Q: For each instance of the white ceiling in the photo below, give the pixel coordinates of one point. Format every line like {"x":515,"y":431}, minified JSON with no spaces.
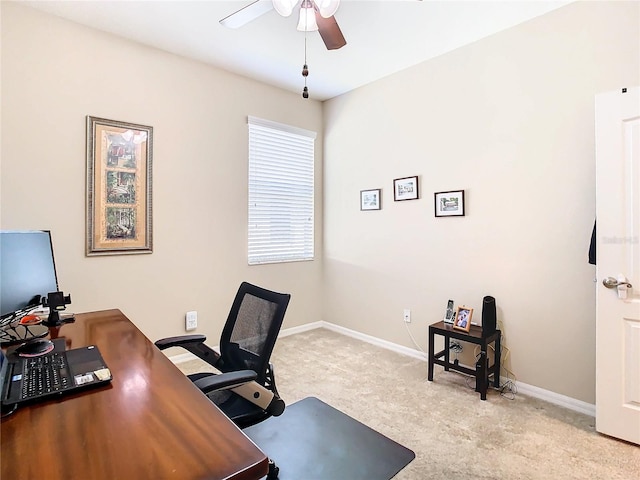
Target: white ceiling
{"x":383,"y":36}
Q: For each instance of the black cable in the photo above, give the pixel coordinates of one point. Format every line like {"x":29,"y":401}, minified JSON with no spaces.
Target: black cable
{"x":10,"y":412}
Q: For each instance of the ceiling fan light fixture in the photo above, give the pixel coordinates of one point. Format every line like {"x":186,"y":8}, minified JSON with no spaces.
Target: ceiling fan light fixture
{"x":284,"y":7}
{"x":327,"y":7}
{"x":307,"y":20}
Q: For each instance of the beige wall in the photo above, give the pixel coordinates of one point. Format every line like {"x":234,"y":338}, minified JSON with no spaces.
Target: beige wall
{"x":54,"y":73}
{"x":509,"y":119}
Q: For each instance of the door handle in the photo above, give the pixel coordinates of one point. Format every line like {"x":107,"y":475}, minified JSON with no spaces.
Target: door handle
{"x":611,"y":282}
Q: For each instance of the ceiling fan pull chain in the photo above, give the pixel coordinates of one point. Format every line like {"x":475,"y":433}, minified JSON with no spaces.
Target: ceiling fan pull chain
{"x":305,"y":68}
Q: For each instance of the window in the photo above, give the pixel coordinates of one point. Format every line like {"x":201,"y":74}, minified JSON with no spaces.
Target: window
{"x":280,"y":192}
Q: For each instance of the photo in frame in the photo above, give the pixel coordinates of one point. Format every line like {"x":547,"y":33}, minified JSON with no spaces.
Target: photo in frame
{"x":462,"y":319}
{"x":370,"y":199}
{"x":405,"y":189}
{"x":448,"y":315}
{"x":119,"y":193}
{"x":449,"y":204}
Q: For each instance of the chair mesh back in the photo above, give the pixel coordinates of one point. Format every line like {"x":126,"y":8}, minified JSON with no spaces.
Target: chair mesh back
{"x":251,"y":330}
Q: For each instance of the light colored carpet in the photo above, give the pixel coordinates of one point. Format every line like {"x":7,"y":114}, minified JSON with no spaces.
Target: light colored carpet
{"x":454,"y":434}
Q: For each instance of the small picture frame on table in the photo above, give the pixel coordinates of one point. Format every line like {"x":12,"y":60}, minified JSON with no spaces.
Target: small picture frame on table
{"x":449,"y":204}
{"x":462,"y":320}
{"x":370,"y":199}
{"x":405,"y":189}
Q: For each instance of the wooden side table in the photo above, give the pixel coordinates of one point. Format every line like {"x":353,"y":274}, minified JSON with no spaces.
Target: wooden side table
{"x":482,"y":370}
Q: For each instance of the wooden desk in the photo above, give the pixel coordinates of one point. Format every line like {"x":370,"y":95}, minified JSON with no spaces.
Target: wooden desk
{"x":475,"y":336}
{"x":150,"y":422}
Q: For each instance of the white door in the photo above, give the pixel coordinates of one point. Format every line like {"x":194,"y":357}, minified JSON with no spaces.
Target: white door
{"x":618,"y":263}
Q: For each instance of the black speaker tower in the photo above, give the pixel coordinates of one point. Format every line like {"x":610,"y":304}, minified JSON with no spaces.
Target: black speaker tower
{"x":488,"y":315}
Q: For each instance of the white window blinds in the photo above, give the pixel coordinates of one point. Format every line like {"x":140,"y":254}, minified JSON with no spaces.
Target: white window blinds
{"x":280,"y":192}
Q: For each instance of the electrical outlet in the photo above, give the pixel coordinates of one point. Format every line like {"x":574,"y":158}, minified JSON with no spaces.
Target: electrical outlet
{"x":191,"y":320}
{"x":407,"y":315}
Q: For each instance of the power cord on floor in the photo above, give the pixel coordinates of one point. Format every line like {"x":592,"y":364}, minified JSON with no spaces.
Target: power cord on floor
{"x":406,"y":325}
{"x":455,"y":347}
{"x":508,"y":389}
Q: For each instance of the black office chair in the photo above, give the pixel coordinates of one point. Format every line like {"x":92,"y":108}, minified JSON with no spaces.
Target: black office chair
{"x":246,"y":390}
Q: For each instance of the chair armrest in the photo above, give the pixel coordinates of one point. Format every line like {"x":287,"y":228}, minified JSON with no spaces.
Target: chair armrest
{"x":181,"y":341}
{"x":192,"y":343}
{"x":225,"y":381}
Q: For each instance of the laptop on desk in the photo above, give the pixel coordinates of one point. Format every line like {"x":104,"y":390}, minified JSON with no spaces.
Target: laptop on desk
{"x":40,"y":377}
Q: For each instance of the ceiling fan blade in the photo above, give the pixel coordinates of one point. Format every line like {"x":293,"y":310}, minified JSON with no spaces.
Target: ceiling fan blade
{"x":330,"y":32}
{"x":247,"y":13}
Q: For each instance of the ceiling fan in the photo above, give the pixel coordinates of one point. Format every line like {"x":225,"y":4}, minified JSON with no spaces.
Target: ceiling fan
{"x":315,"y":15}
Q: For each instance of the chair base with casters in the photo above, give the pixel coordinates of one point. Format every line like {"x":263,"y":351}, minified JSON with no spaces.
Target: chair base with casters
{"x":245,"y":389}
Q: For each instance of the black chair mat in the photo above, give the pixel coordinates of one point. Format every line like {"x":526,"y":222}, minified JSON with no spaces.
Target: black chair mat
{"x":313,"y":441}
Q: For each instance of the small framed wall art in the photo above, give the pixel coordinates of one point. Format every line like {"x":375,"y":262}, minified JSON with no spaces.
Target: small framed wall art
{"x":449,"y":204}
{"x":370,"y":199}
{"x":405,"y":189}
{"x":462,"y":320}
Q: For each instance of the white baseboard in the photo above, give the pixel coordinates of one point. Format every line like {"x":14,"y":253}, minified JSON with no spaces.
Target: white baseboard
{"x":525,"y":389}
{"x":410,"y":352}
{"x":302,"y":328}
{"x":182,"y":358}
{"x":188,"y":356}
{"x":557,"y":399}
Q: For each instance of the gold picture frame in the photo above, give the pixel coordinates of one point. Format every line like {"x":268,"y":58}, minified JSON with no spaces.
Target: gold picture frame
{"x":119,"y":193}
{"x":462,"y":319}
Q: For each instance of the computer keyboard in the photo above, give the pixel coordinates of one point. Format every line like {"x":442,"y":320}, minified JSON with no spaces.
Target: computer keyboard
{"x":44,"y":375}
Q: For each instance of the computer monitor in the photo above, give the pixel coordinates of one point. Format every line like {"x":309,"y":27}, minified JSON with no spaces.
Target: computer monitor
{"x":27,"y":270}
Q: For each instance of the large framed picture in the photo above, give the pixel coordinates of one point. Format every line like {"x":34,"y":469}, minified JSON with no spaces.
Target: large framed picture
{"x":462,"y":319}
{"x":405,"y":188}
{"x":449,"y":204}
{"x":370,"y":199}
{"x":119,"y":181}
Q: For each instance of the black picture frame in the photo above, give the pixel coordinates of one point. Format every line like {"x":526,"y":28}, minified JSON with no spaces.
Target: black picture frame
{"x":371,"y":199}
{"x":406,"y":188}
{"x":449,"y":204}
